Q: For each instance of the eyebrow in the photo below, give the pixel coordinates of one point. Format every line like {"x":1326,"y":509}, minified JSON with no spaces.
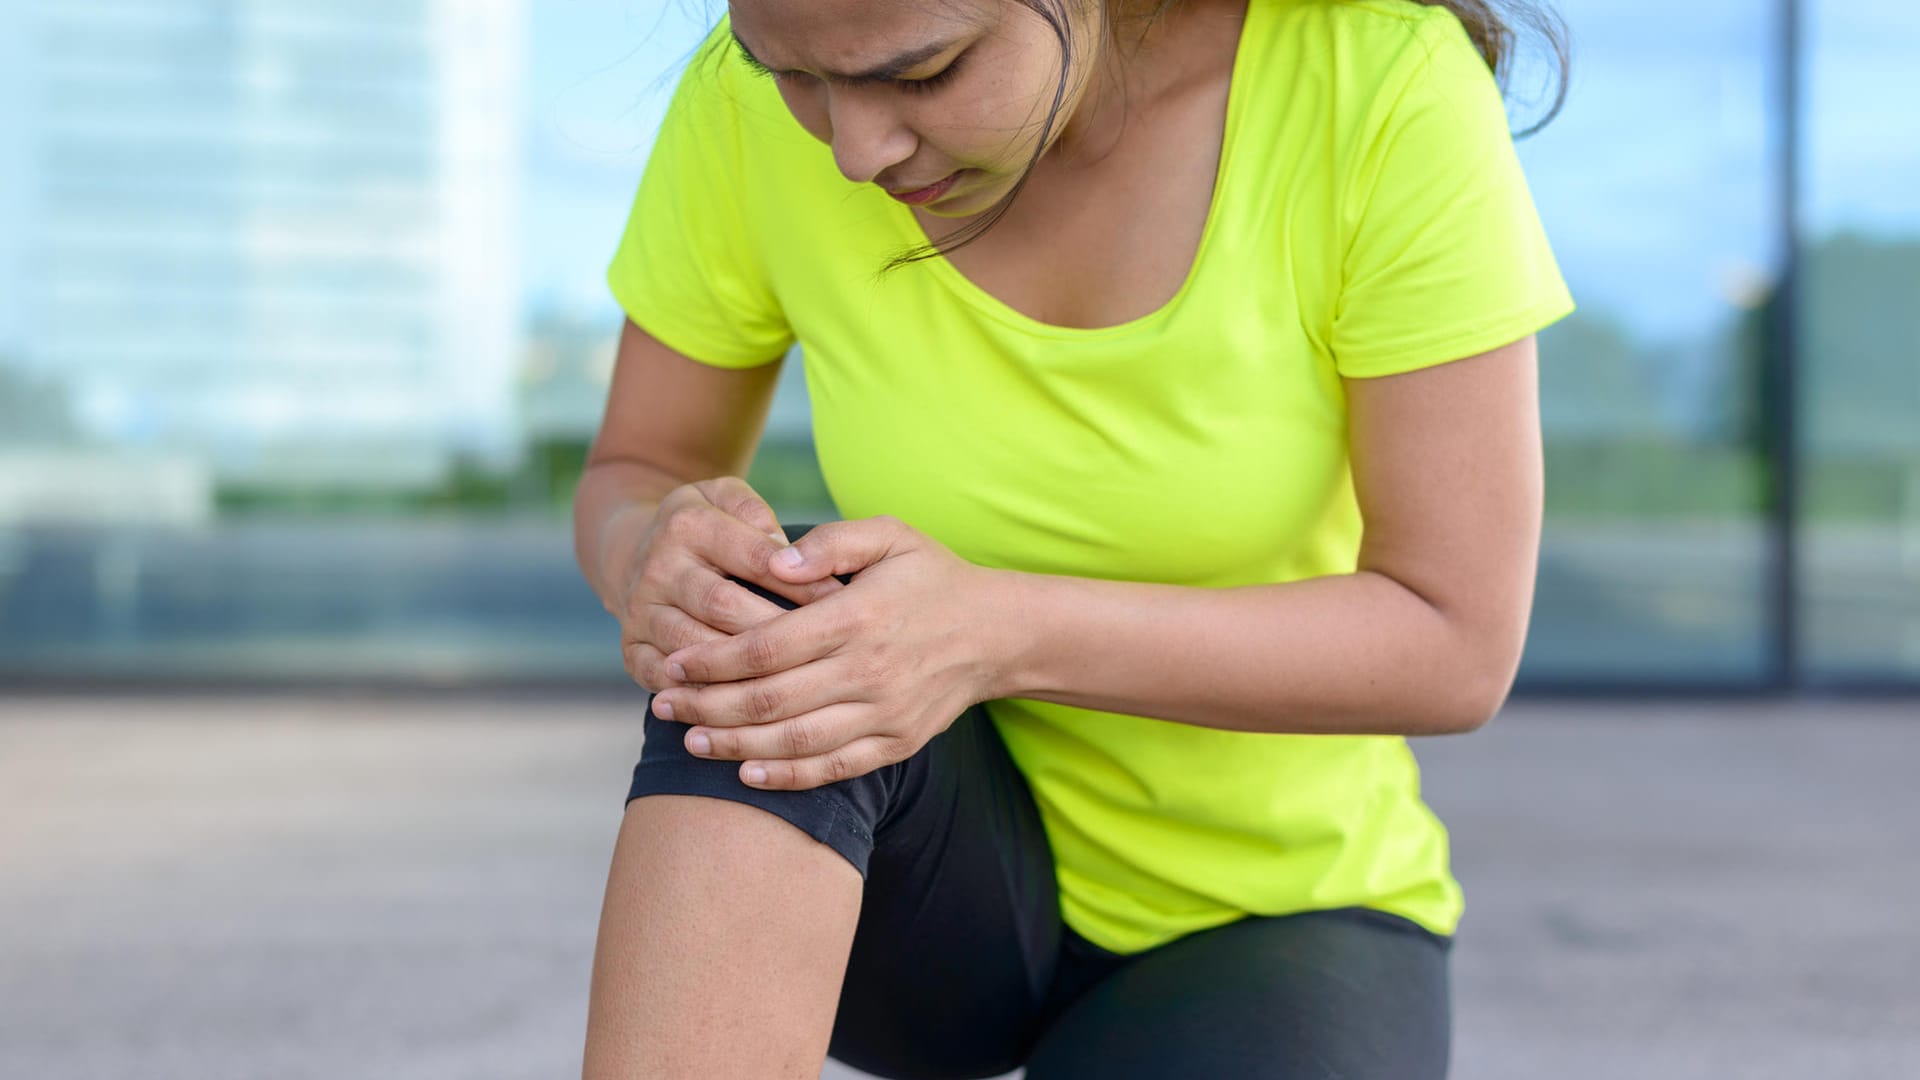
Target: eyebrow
{"x":887,"y":72}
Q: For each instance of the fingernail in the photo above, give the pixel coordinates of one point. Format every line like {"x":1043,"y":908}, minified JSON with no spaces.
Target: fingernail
{"x":755,"y":774}
{"x":676,"y":671}
{"x":699,"y":744}
{"x":789,"y":557}
{"x":663,"y":708}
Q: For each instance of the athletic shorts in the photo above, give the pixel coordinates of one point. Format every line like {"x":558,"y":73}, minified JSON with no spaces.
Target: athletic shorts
{"x":962,"y":967}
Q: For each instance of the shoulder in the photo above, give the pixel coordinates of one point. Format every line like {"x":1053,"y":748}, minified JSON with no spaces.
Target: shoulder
{"x":1381,"y":29}
{"x":1360,"y":51}
{"x":1361,"y":74}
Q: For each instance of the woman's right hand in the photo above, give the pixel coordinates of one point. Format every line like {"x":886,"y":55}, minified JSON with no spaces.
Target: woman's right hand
{"x":676,"y":591}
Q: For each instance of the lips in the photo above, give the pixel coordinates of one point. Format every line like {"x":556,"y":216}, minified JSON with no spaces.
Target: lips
{"x":924,"y":194}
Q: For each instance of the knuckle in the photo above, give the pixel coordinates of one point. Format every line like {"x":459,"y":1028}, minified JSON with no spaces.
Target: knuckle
{"x":759,"y":655}
{"x":642,"y":664}
{"x":855,"y":621}
{"x":654,"y":566}
{"x":897,"y":750}
{"x":715,"y":594}
{"x":691,"y":711}
{"x":741,"y":502}
{"x":633,"y":606}
{"x":837,"y":766}
{"x":677,"y":523}
{"x":803,"y":737}
{"x":677,"y":634}
{"x":763,"y":704}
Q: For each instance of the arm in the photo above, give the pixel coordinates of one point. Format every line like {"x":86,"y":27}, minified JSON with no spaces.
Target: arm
{"x":1423,"y":638}
{"x":661,"y":515}
{"x":669,"y":421}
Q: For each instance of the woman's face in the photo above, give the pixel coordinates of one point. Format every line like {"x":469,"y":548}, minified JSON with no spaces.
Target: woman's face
{"x":938,"y":100}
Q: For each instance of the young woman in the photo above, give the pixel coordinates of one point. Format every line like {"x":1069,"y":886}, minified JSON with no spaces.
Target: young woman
{"x":1172,"y":367}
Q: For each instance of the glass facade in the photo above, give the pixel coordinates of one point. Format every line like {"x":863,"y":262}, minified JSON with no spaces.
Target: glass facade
{"x":302,"y":339}
{"x":1659,"y":186}
{"x":1856,"y":340}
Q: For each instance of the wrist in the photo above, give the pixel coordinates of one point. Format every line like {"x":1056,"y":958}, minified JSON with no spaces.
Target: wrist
{"x":619,"y":542}
{"x":1006,"y":633}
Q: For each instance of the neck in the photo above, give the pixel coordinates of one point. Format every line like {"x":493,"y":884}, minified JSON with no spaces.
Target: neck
{"x":1130,"y":52}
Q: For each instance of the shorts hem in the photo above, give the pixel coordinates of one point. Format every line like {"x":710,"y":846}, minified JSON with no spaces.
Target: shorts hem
{"x":827,"y":821}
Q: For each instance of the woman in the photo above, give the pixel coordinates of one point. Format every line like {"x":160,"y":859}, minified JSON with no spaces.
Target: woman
{"x":1080,"y":743}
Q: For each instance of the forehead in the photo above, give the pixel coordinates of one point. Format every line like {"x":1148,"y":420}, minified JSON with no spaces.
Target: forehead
{"x":852,"y":35}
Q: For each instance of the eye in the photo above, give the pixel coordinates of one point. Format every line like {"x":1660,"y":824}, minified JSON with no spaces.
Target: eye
{"x":932,"y":82}
{"x":754,"y":65}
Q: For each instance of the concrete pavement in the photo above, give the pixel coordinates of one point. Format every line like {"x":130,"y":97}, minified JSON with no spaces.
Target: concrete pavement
{"x":219,"y":887}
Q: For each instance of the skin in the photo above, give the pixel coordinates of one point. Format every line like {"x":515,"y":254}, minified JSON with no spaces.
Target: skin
{"x":1424,"y":639}
{"x":973,"y":100}
{"x":721,"y":919}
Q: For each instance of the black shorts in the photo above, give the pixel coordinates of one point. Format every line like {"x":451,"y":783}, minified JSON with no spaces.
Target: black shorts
{"x":962,"y":967}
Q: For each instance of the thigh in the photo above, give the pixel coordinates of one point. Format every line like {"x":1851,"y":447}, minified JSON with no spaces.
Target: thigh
{"x":958,"y":942}
{"x":1358,"y":995}
{"x":959,"y":933}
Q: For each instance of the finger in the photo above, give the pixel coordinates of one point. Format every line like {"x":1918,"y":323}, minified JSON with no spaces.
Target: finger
{"x":857,"y":758}
{"x":724,"y":542}
{"x":757,"y":702}
{"x":669,"y":629}
{"x":645,"y":664}
{"x":840,"y":547}
{"x":717,"y":601}
{"x":736,"y":497}
{"x":796,"y":637}
{"x":734,"y":547}
{"x":809,"y":733}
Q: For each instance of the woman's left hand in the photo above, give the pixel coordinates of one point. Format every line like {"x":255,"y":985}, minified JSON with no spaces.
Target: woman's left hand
{"x":857,"y":679}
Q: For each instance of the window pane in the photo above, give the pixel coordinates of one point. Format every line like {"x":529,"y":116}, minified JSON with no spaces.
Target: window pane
{"x":1859,"y":342}
{"x":303,"y":337}
{"x":302,"y":385}
{"x":1655,"y":187}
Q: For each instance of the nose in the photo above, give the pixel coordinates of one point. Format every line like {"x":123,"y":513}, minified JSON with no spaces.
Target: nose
{"x":868,"y":135}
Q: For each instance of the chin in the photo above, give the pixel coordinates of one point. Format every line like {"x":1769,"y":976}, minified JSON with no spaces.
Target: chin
{"x":966,"y":204}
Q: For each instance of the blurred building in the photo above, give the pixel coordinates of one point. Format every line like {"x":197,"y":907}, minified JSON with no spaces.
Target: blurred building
{"x":257,"y":254}
{"x":569,"y":363}
{"x":275,"y":237}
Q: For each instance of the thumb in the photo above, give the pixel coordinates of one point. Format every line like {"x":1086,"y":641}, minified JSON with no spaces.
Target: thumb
{"x":838,"y":548}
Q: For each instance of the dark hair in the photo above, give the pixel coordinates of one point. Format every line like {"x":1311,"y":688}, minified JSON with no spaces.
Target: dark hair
{"x":1491,"y":34}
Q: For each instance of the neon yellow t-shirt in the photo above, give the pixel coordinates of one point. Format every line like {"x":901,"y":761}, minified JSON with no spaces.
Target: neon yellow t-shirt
{"x":1369,"y":217}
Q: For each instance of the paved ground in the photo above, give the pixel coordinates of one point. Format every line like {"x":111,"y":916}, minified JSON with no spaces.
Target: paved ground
{"x":318,"y":886}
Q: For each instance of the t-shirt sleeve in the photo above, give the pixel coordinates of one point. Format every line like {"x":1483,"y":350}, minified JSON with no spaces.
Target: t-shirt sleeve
{"x":688,"y":269}
{"x":1444,"y":253}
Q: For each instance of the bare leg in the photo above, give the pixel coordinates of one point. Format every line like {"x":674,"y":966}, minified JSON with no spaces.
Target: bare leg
{"x":724,"y":938}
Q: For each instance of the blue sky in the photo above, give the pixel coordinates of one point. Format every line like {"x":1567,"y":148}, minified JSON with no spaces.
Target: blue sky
{"x":599,"y":75}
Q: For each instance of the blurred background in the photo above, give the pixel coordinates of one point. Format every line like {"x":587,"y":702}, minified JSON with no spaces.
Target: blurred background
{"x":303,"y":337}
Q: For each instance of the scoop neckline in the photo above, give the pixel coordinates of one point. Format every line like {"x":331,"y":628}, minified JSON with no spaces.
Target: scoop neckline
{"x":999,"y":309}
